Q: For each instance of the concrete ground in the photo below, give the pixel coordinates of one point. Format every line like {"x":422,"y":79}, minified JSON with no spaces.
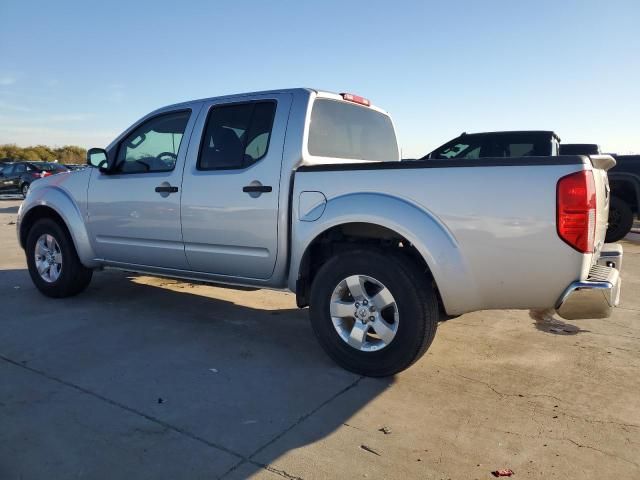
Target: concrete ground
{"x":149,"y":378}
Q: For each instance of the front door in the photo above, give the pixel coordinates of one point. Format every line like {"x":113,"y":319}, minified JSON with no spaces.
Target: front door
{"x":231,"y":187}
{"x":134,"y":212}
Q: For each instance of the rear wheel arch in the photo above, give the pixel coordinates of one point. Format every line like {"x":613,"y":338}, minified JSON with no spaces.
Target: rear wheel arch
{"x":354,"y":236}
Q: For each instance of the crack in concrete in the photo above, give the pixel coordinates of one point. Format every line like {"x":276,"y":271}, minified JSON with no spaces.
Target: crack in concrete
{"x":609,"y":454}
{"x":282,"y":473}
{"x":122,"y":406}
{"x":577,"y":444}
{"x":503,"y":394}
{"x":595,"y":420}
{"x":301,"y":419}
{"x":167,"y":426}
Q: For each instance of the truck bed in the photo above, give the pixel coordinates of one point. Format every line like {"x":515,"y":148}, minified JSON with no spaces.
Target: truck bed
{"x":498,"y":214}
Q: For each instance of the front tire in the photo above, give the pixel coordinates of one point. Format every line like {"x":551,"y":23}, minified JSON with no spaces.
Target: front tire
{"x":374,"y":313}
{"x":53,"y":263}
{"x":620,"y":220}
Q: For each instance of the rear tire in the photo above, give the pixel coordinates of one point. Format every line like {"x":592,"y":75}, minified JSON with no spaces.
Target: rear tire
{"x":71,"y":277}
{"x":414,"y":302}
{"x":24,"y":189}
{"x":620,"y":220}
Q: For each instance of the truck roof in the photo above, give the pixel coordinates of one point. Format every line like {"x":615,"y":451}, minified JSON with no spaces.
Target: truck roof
{"x":320,"y":93}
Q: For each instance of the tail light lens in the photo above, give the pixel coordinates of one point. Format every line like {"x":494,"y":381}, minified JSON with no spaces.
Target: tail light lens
{"x":45,"y":174}
{"x":576,"y":204}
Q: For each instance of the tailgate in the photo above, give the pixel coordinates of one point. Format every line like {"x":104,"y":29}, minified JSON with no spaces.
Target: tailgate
{"x":601,"y":163}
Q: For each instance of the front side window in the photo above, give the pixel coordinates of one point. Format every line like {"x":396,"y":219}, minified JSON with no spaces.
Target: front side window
{"x":154,"y":145}
{"x":344,"y":130}
{"x":236,"y":136}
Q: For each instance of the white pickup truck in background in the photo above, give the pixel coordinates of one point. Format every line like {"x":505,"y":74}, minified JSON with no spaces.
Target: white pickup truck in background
{"x":305,"y":190}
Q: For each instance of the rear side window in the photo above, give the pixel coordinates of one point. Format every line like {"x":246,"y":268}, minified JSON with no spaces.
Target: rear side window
{"x":236,"y":136}
{"x":344,"y":130}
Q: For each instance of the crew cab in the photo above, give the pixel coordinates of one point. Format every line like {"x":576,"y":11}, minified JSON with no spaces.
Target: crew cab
{"x":304,"y":190}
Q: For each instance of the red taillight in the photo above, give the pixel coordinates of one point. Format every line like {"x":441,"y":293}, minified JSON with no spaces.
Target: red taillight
{"x":45,"y":174}
{"x":350,"y":97}
{"x":576,"y":204}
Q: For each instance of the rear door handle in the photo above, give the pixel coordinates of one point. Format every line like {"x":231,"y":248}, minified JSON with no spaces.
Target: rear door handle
{"x":257,"y":189}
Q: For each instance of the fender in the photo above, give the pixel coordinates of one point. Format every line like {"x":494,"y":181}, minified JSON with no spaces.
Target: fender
{"x":58,"y":200}
{"x":435,"y":243}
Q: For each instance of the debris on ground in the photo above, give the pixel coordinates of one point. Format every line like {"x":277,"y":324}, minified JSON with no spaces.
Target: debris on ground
{"x":370,"y":450}
{"x":11,"y":223}
{"x":503,"y":472}
{"x":385,"y":430}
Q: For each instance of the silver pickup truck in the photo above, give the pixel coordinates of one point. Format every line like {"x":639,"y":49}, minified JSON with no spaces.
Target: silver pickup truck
{"x":304,"y":190}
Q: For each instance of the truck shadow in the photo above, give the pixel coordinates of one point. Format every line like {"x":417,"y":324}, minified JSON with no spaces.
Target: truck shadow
{"x":234,"y":370}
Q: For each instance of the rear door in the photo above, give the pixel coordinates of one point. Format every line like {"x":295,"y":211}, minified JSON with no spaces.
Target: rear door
{"x":231,"y":186}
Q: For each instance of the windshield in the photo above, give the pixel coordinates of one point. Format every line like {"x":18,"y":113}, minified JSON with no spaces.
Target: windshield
{"x":345,"y":130}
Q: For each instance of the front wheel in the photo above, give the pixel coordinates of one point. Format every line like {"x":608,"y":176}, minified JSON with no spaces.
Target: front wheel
{"x":375,"y":314}
{"x":53,"y":263}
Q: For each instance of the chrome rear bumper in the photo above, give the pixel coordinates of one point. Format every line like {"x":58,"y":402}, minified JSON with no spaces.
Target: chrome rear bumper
{"x":596,"y":296}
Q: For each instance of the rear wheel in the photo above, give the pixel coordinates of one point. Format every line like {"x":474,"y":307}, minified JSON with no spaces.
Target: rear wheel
{"x":620,"y":220}
{"x":24,"y":190}
{"x":375,"y":314}
{"x":53,"y":263}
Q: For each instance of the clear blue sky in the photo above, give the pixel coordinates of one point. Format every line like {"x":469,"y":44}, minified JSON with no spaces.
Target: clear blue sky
{"x":80,"y":71}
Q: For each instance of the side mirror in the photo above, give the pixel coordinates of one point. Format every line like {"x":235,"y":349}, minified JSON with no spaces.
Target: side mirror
{"x":97,"y":157}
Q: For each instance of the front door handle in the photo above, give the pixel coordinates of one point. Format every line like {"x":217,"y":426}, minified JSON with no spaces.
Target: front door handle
{"x":257,"y":189}
{"x":166,"y":189}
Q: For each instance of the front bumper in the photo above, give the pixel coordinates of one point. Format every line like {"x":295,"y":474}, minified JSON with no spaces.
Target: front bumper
{"x":596,"y":296}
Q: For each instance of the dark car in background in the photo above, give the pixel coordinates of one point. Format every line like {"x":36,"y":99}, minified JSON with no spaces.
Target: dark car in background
{"x":580,"y":149}
{"x":624,"y":182}
{"x":17,"y":177}
{"x":525,"y":143}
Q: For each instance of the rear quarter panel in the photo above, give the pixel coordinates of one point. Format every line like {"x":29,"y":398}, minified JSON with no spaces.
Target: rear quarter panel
{"x":488,"y":234}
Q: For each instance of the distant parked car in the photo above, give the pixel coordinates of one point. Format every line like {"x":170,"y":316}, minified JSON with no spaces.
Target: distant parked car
{"x":580,"y":149}
{"x":17,"y":177}
{"x":74,"y":166}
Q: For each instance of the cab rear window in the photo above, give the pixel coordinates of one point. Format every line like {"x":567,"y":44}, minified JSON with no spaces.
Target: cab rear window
{"x":344,"y":130}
